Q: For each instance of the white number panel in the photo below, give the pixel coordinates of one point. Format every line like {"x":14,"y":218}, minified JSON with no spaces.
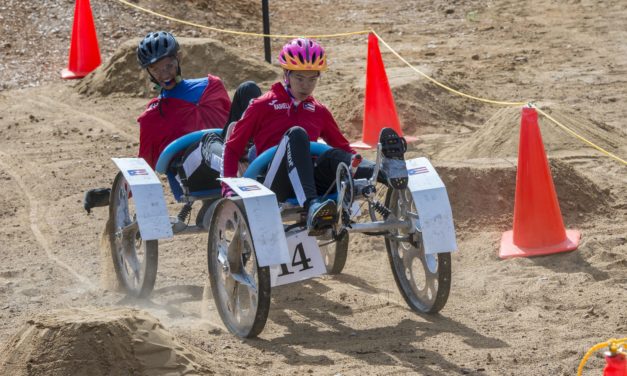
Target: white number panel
{"x":305,"y":261}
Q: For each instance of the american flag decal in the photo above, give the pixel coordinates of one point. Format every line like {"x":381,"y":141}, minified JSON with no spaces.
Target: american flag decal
{"x":247,"y":188}
{"x":137,"y":172}
{"x":309,"y":107}
{"x":418,"y":170}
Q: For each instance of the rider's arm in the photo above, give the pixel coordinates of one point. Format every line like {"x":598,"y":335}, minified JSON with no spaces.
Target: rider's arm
{"x":147,"y":138}
{"x":214,"y":103}
{"x":145,"y":148}
{"x":238,"y":141}
{"x":332,"y":135}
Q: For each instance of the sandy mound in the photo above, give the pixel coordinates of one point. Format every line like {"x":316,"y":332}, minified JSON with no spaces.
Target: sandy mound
{"x":200,"y":56}
{"x":482,"y":192}
{"x":96,"y":342}
{"x":422,"y":107}
{"x":499,"y":136}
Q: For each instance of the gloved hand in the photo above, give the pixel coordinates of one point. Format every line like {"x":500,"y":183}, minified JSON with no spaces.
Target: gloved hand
{"x":355,"y":162}
{"x":227,"y":191}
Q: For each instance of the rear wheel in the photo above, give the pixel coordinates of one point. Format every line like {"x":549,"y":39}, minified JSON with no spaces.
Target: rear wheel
{"x":135,"y":260}
{"x":334,"y":253}
{"x":423,"y":280}
{"x":241,"y":289}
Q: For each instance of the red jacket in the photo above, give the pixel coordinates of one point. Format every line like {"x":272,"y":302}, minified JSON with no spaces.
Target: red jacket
{"x":179,"y":117}
{"x":268,"y":118}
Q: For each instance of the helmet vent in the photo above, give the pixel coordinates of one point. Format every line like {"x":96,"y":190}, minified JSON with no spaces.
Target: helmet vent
{"x":155,"y":47}
{"x":302,"y":54}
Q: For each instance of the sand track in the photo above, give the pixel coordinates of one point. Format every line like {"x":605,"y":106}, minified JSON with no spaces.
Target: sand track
{"x":37,"y":210}
{"x":525,"y":317}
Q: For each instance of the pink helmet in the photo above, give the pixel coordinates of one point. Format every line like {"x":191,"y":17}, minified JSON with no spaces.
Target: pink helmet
{"x":303,"y":54}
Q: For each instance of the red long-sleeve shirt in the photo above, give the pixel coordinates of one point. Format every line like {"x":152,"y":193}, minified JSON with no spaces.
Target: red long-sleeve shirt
{"x":179,"y":117}
{"x":268,"y":118}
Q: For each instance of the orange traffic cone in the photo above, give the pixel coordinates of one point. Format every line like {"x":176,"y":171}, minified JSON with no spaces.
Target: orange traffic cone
{"x":616,"y":364}
{"x":538,"y":226}
{"x":379,"y":107}
{"x":84,"y":52}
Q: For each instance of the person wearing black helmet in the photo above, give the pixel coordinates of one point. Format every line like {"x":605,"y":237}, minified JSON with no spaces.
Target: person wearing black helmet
{"x":183,"y":105}
{"x":159,"y":54}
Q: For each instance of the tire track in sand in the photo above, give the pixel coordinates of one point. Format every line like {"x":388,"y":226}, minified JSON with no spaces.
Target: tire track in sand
{"x":43,"y":101}
{"x":34,"y":226}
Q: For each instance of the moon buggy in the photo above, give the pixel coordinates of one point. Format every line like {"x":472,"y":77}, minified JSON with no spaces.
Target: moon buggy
{"x":255,"y":242}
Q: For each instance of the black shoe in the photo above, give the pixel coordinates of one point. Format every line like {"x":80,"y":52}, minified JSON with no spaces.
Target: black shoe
{"x":96,"y":198}
{"x":321,"y":216}
{"x":393,"y":148}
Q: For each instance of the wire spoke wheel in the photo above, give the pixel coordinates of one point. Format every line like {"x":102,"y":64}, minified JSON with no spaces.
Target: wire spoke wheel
{"x":423,"y":280}
{"x":241,"y":289}
{"x":135,"y":260}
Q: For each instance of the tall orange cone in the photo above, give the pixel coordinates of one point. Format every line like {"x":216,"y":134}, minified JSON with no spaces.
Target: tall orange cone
{"x":84,"y":52}
{"x":538,"y":226}
{"x":379,"y":107}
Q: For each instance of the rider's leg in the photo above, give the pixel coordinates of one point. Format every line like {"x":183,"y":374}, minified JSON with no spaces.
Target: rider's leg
{"x":392,"y":173}
{"x":325,"y":169}
{"x":244,"y":162}
{"x":211,"y":149}
{"x":291,"y":170}
{"x":244,"y":93}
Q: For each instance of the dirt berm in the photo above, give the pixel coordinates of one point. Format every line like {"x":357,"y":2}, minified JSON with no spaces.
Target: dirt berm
{"x":199,"y":56}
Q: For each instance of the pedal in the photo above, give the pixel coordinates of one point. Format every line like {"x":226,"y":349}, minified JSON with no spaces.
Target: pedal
{"x":319,"y":231}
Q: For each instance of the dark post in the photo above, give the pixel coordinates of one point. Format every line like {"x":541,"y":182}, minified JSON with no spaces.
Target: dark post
{"x":266,"y":29}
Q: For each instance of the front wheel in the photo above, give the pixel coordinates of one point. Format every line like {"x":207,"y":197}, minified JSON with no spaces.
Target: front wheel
{"x":241,"y":289}
{"x":135,"y":260}
{"x":423,"y":280}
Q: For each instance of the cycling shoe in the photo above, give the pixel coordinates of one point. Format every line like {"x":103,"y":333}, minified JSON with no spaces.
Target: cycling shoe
{"x":393,"y":148}
{"x":321,"y":216}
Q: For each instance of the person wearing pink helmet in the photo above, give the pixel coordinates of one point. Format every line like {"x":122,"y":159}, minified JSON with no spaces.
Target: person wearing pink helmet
{"x":289,"y":117}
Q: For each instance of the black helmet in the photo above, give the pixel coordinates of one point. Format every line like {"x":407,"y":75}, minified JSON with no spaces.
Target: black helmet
{"x":156,"y":46}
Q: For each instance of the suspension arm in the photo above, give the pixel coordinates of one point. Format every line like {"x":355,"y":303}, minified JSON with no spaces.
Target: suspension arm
{"x":391,"y":224}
